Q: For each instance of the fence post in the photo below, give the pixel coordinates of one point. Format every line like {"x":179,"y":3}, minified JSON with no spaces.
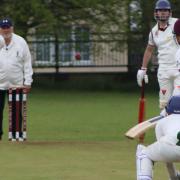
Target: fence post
{"x":56,"y":53}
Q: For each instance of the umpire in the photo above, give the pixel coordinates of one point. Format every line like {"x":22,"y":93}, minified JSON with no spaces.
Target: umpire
{"x":15,"y":64}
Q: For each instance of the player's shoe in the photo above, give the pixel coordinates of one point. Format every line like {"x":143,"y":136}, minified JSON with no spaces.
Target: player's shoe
{"x":177,"y":177}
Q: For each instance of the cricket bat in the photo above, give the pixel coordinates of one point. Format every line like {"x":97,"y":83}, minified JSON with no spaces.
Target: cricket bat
{"x":141,"y":128}
{"x":141,"y":113}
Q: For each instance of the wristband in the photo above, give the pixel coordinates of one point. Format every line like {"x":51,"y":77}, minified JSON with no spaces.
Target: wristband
{"x":143,"y":68}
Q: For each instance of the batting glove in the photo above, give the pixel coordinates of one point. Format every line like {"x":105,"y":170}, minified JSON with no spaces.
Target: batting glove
{"x":141,"y":75}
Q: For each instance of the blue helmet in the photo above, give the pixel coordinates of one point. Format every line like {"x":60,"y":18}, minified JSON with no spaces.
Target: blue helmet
{"x":163,"y":4}
{"x":173,"y":106}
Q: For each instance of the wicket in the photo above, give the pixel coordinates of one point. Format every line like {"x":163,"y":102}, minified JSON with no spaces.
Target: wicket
{"x":17,"y":101}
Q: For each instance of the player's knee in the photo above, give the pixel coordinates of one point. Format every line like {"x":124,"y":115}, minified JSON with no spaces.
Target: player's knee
{"x":143,"y":164}
{"x":163,"y":104}
{"x":164,"y":96}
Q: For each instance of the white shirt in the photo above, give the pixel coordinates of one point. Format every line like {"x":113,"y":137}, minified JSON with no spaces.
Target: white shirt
{"x":168,"y":128}
{"x":178,"y":57}
{"x":166,"y":45}
{"x":15,"y":64}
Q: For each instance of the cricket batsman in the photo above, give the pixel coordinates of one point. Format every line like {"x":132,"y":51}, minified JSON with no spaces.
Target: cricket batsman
{"x":161,"y":37}
{"x":166,"y":148}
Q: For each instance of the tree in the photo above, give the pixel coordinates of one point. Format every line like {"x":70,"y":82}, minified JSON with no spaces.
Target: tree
{"x":27,"y":15}
{"x":53,"y":15}
{"x":100,"y":15}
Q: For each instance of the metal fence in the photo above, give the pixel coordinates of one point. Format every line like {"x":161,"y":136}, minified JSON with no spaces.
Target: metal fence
{"x":51,"y":52}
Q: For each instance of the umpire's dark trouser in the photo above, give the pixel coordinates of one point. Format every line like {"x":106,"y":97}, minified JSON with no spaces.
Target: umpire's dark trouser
{"x":2,"y":104}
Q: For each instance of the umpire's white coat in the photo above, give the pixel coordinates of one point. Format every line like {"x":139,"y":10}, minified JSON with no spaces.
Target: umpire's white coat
{"x":15,"y":64}
{"x":165,"y":148}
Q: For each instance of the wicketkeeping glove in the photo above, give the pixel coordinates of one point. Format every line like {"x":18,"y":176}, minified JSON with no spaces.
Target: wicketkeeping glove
{"x":141,"y":74}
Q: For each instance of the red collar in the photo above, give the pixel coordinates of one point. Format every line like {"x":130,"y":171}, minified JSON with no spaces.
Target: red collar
{"x":162,"y":29}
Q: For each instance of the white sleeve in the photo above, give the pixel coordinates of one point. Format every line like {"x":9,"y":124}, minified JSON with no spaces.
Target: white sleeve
{"x":2,"y":42}
{"x":151,"y":39}
{"x":28,"y":71}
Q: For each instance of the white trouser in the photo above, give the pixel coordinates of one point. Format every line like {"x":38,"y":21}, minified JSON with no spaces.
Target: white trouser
{"x":161,"y":151}
{"x":169,"y":83}
{"x":164,"y":152}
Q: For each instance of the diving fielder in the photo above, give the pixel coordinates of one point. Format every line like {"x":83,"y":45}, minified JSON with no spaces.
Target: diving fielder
{"x":166,"y":148}
{"x":162,"y":38}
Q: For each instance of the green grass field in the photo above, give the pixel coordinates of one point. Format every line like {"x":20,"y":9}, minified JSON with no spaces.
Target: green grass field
{"x":77,"y":135}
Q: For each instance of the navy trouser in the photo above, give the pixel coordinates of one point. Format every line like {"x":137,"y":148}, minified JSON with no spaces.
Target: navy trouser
{"x":2,"y":104}
{"x":3,"y":94}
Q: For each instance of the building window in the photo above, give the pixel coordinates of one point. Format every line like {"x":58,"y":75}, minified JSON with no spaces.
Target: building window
{"x":78,"y":41}
{"x":74,"y":40}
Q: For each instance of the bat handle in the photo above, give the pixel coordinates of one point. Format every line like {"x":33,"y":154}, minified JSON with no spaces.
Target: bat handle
{"x":142,"y":110}
{"x":142,"y":89}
